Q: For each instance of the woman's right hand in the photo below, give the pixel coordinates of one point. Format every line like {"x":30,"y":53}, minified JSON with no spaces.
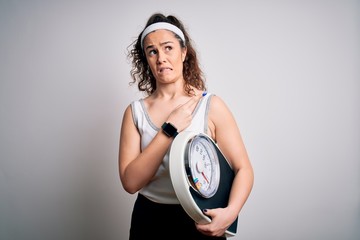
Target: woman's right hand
{"x":181,"y":116}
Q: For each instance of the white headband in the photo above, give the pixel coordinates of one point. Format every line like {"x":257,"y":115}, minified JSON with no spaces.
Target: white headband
{"x":161,"y":25}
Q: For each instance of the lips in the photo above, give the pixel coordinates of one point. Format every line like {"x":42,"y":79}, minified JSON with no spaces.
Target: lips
{"x":164,"y":69}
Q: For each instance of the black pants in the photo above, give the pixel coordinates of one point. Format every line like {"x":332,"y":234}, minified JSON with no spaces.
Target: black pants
{"x":152,"y":220}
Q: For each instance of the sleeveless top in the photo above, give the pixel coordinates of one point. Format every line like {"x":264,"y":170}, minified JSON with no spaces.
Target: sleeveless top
{"x":160,"y":188}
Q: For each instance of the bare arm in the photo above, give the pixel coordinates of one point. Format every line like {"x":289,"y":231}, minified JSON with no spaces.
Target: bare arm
{"x":136,"y":168}
{"x":229,"y":140}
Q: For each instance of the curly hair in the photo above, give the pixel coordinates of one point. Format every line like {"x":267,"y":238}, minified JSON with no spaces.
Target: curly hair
{"x":141,"y":72}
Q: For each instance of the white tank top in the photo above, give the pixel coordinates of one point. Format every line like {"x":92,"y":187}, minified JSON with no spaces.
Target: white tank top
{"x":160,"y":188}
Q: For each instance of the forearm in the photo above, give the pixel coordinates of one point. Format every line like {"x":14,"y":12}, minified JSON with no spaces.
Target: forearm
{"x":143,"y":168}
{"x":240,"y":191}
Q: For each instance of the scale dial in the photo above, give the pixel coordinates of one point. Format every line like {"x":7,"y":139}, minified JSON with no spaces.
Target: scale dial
{"x":202,"y":166}
{"x":189,"y":148}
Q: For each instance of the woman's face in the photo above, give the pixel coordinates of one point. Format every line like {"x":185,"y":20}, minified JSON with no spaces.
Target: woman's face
{"x":164,"y":55}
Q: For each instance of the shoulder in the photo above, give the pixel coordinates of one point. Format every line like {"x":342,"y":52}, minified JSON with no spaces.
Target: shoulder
{"x":219,"y":113}
{"x":217,"y":104}
{"x":133,"y":108}
{"x":131,"y":116}
{"x":220,"y":116}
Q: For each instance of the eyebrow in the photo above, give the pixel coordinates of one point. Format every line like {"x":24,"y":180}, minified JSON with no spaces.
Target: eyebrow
{"x":161,"y":44}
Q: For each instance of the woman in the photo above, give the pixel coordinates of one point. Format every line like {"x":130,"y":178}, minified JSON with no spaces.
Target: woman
{"x":166,"y":68}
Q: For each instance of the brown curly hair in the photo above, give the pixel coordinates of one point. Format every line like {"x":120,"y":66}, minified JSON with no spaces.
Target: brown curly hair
{"x":141,"y":72}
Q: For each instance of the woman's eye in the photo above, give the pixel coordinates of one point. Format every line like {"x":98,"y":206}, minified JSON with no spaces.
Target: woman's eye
{"x":168,"y":48}
{"x":152,"y":52}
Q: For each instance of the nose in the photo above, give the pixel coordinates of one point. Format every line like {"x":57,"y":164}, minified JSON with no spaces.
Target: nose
{"x":161,"y":57}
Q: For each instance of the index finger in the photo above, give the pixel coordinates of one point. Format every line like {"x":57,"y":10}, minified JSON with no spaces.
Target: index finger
{"x":195,"y":99}
{"x":192,"y":102}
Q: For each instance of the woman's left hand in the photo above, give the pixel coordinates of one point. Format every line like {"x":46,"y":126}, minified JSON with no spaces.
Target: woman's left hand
{"x":220,"y":222}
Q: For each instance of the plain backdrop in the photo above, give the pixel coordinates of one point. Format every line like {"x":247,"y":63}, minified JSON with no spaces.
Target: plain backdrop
{"x":288,"y":70}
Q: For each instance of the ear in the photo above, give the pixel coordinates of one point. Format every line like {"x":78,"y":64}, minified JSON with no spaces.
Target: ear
{"x":183,"y":54}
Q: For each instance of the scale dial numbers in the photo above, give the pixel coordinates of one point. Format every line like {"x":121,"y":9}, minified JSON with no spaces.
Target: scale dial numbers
{"x":203,"y":166}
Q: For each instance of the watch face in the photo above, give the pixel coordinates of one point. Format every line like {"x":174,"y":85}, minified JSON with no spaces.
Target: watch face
{"x":202,"y":166}
{"x":169,"y":129}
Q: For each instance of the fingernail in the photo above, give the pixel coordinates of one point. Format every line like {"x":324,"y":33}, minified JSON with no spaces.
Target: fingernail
{"x":204,"y":94}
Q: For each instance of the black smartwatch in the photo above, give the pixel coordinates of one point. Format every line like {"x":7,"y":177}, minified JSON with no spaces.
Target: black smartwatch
{"x":169,"y":129}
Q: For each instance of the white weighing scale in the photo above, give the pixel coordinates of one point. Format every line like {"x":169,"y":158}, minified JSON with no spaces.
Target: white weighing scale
{"x":201,"y":176}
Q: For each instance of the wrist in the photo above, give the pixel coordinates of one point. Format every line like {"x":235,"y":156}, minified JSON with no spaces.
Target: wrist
{"x":169,"y":129}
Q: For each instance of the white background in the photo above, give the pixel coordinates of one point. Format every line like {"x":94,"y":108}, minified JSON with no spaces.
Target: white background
{"x":289,"y":71}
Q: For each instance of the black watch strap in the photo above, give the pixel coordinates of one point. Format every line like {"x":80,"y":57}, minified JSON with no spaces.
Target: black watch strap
{"x":169,"y":129}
